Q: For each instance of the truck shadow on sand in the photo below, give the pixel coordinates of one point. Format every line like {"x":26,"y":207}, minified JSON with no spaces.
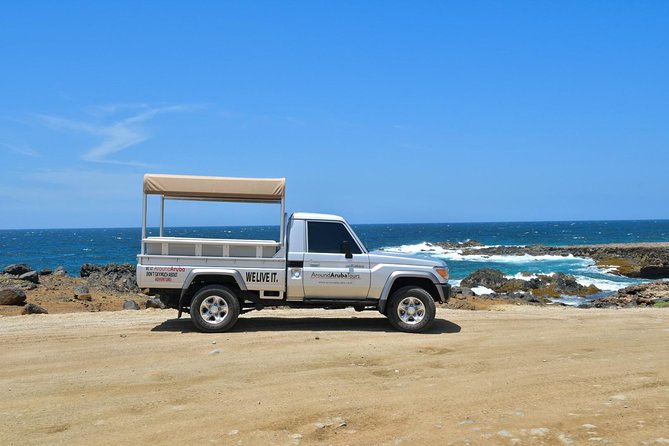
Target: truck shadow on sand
{"x":259,"y":324}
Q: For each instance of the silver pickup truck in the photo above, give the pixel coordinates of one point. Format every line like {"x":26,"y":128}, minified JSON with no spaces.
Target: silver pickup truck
{"x":318,"y":262}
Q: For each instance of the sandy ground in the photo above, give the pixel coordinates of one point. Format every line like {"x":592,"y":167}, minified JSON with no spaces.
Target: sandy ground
{"x":519,"y":375}
{"x":56,"y":294}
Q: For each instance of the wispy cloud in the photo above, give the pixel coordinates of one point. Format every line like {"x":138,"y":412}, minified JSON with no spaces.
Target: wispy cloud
{"x":115,"y":108}
{"x":117,"y":135}
{"x":20,"y":150}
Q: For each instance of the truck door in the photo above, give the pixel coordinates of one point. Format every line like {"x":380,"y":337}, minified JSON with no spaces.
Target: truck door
{"x":327,"y":272}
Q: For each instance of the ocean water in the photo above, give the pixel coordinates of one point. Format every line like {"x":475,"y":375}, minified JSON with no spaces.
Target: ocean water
{"x":73,"y":247}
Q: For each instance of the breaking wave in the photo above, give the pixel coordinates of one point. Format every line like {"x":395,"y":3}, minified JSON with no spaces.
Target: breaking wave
{"x":456,"y":255}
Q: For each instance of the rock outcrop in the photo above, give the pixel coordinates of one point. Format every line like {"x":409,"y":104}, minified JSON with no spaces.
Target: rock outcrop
{"x":155,"y":303}
{"x":516,"y":296}
{"x":553,"y":285}
{"x":642,"y":295}
{"x":487,"y":277}
{"x":34,"y":309}
{"x":17,"y":269}
{"x":130,"y":305}
{"x":12,"y":296}
{"x":111,"y":277}
{"x":458,"y":245}
{"x":30,"y":276}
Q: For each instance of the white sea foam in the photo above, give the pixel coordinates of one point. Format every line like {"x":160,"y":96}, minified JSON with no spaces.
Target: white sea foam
{"x":573,"y":301}
{"x":418,"y":247}
{"x":527,"y":277}
{"x":479,"y":290}
{"x":602,"y":284}
{"x":517,"y":260}
{"x":456,"y":255}
{"x":592,"y":268}
{"x":490,"y":246}
{"x":606,"y":269}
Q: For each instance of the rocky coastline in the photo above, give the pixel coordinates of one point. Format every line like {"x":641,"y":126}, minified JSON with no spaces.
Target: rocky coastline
{"x":543,"y":289}
{"x":638,"y":260}
{"x":113,"y":286}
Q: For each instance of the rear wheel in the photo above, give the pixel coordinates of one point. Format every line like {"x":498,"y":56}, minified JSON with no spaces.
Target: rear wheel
{"x":215,"y":308}
{"x":411,"y":309}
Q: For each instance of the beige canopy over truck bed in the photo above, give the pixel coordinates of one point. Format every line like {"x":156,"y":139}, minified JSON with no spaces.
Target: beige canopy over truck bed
{"x":256,"y":190}
{"x":187,"y":187}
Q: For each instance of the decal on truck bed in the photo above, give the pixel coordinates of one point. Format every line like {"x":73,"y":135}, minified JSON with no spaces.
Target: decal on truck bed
{"x":262,"y":277}
{"x":164,"y":273}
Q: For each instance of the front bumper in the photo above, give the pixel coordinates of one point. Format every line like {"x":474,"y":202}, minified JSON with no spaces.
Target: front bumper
{"x":444,"y":290}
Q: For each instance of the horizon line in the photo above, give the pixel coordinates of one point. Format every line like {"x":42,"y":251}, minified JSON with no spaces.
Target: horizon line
{"x":353,"y":224}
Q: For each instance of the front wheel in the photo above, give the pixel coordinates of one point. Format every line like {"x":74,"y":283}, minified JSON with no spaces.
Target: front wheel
{"x":411,"y":309}
{"x":214,"y":309}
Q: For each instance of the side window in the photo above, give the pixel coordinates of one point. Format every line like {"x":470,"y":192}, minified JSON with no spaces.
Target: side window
{"x":326,"y":237}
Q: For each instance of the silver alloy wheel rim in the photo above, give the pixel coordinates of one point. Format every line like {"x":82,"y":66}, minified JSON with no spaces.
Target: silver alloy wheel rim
{"x":214,"y":309}
{"x":411,"y":310}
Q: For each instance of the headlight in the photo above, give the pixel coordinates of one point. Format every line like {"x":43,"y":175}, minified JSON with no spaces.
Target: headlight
{"x":442,"y":271}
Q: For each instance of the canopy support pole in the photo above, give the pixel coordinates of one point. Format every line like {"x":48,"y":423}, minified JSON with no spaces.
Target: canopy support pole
{"x":143,"y":223}
{"x":162,"y":214}
{"x":283,"y":221}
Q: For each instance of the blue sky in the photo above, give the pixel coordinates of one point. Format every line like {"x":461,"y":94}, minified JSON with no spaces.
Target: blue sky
{"x":379,"y":111}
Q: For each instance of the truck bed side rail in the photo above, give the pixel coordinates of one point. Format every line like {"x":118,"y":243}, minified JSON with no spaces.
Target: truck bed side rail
{"x":179,"y":246}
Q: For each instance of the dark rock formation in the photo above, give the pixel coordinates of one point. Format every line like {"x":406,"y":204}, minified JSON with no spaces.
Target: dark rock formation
{"x":88,"y":268}
{"x":553,"y":285}
{"x":458,"y":245}
{"x":111,"y":277}
{"x":644,"y":295}
{"x":130,"y":305}
{"x":34,"y":309}
{"x":12,"y":296}
{"x":7,"y":280}
{"x":155,"y":303}
{"x":17,"y":269}
{"x":567,"y":284}
{"x":487,"y":277}
{"x":30,"y":276}
{"x":45,"y":272}
{"x":462,"y":291}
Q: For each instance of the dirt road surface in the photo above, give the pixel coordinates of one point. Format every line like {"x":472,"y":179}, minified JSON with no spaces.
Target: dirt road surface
{"x":517,"y":376}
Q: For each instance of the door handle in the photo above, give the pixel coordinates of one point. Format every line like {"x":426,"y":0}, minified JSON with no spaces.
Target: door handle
{"x":314,"y":264}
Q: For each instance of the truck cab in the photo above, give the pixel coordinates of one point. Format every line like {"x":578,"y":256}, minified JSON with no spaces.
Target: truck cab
{"x":319,"y":262}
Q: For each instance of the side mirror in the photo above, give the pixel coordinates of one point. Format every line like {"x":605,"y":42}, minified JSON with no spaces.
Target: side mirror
{"x":346,"y":249}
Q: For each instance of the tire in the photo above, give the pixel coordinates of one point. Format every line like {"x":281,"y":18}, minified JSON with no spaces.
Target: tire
{"x":411,"y":309}
{"x":214,"y":309}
